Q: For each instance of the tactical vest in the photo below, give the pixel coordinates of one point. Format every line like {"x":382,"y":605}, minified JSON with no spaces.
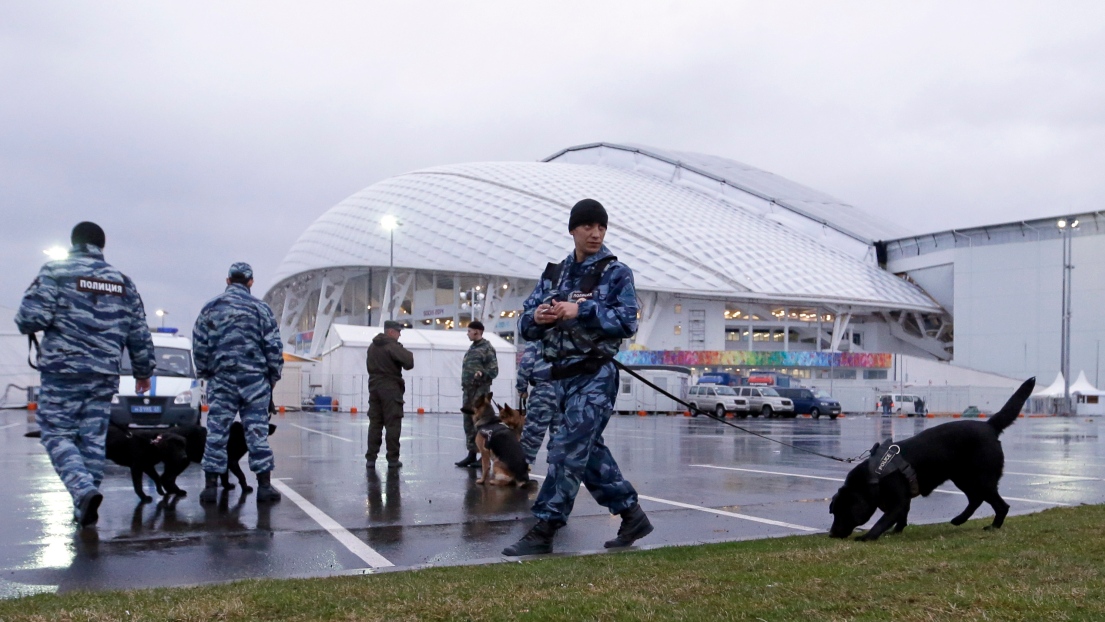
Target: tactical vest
{"x":553,"y":272}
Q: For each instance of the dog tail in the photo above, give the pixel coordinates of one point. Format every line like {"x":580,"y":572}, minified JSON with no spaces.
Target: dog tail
{"x":1008,"y":413}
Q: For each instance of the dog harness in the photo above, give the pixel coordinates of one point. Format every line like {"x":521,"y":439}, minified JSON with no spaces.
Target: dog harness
{"x":886,"y":460}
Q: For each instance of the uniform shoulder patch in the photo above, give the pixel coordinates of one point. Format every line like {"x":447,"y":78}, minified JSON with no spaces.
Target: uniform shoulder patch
{"x":100,"y":286}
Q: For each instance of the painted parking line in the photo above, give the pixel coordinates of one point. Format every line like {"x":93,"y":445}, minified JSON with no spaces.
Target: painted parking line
{"x":841,"y":479}
{"x":699,"y":508}
{"x":355,"y":545}
{"x":1069,"y":478}
{"x":340,"y":438}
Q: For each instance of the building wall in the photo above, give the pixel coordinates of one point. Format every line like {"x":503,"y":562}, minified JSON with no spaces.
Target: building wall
{"x":1008,"y":305}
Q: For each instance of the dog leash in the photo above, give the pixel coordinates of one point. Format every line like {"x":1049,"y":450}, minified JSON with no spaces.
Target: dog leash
{"x":591,"y":345}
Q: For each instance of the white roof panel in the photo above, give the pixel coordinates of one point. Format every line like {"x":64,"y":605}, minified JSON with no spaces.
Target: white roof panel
{"x":510,"y":218}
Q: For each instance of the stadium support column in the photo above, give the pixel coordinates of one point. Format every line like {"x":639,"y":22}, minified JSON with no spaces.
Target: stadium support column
{"x":840,"y":326}
{"x":329,"y":298}
{"x":295,"y":302}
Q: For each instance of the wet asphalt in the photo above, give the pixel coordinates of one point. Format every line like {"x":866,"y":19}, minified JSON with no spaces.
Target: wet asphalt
{"x":700,"y":481}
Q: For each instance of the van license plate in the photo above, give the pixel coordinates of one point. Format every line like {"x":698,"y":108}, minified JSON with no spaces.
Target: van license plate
{"x":146,"y":409}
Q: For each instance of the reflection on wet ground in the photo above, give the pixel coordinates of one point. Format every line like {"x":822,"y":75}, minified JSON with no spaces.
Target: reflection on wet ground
{"x":699,"y":480}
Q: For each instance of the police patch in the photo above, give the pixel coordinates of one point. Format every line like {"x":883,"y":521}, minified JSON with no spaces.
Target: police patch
{"x":100,"y":286}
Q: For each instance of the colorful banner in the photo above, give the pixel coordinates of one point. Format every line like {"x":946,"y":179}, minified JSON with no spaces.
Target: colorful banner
{"x":743,"y":358}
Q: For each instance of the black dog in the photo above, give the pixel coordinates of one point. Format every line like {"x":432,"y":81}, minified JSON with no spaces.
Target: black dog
{"x":966,"y":452}
{"x":196,"y":440}
{"x":142,"y":450}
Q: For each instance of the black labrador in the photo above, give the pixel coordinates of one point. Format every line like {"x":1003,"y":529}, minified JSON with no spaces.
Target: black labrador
{"x":195,"y":437}
{"x":966,"y":452}
{"x":142,"y":450}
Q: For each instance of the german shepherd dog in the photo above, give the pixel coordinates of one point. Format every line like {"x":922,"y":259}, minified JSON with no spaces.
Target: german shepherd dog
{"x":495,"y":440}
{"x":966,"y":452}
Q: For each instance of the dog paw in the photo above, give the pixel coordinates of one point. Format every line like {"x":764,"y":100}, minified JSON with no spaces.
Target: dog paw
{"x":246,"y":488}
{"x":479,"y":481}
{"x":146,"y":498}
{"x":228,"y":486}
{"x":180,"y":493}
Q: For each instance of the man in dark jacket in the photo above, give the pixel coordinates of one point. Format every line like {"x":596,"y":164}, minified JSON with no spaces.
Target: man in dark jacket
{"x":386,"y":360}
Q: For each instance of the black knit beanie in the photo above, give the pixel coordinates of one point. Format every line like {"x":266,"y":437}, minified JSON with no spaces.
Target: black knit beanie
{"x":587,"y":212}
{"x":88,"y":233}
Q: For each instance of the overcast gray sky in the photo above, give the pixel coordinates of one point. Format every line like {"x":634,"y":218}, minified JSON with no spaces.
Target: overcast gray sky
{"x":202,"y":133}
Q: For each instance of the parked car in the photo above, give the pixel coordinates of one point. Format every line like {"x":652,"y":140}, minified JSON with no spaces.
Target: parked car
{"x":766,"y":401}
{"x":812,"y":402}
{"x":902,"y":404}
{"x":717,"y":398}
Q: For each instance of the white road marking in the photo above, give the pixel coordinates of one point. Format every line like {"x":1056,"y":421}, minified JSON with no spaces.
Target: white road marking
{"x":1073,"y":478}
{"x":340,"y":438}
{"x":10,"y":425}
{"x":755,"y":519}
{"x":840,"y":479}
{"x":351,"y":542}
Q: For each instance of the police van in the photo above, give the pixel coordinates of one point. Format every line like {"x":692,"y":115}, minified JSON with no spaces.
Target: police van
{"x":175,"y":396}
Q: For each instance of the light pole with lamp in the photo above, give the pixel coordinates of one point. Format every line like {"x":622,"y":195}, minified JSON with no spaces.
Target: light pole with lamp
{"x":1066,"y":229}
{"x":390,"y":223}
{"x":473,"y":298}
{"x":161,"y":313}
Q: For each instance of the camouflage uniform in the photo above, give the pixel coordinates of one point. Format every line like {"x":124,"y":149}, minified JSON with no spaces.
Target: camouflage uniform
{"x":237,"y":348}
{"x":88,"y":311}
{"x":577,"y":452}
{"x":480,"y":357}
{"x":541,"y":411}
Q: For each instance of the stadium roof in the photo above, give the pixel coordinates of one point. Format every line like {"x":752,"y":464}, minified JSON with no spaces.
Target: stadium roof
{"x":510,"y":218}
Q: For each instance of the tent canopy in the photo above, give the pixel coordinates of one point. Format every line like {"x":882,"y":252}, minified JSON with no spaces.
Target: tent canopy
{"x":1082,"y":386}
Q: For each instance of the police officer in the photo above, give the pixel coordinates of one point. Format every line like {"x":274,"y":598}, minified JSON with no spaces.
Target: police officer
{"x":88,"y":311}
{"x":581,"y":310}
{"x":386,"y":360}
{"x":237,"y":349}
{"x":538,"y":394}
{"x":479,"y":368}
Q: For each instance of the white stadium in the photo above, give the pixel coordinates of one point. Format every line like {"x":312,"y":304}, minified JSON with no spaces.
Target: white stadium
{"x":737,"y":269}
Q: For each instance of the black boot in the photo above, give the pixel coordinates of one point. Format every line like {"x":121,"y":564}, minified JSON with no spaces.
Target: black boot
{"x":635,"y":526}
{"x":265,"y":492}
{"x":88,"y":509}
{"x":210,"y":492}
{"x":467,"y":461}
{"x":538,"y":541}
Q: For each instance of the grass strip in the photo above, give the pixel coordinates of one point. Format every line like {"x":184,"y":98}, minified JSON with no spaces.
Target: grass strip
{"x":1044,"y":566}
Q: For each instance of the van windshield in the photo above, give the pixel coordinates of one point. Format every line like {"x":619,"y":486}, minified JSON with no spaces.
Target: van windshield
{"x":726,"y":391}
{"x":170,"y":362}
{"x":818,"y":393}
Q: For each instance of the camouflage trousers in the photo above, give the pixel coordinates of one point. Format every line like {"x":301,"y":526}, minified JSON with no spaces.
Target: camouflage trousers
{"x":73,"y":414}
{"x":248,"y":397}
{"x":541,"y":414}
{"x":577,"y":452}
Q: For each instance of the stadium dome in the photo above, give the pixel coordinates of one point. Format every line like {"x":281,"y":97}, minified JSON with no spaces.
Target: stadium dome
{"x":689,"y":225}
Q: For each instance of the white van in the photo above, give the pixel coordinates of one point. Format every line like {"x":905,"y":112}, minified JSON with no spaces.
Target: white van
{"x":902,"y":404}
{"x":175,"y":396}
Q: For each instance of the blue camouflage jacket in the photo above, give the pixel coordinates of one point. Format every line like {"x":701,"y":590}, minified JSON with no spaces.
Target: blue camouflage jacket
{"x":533,"y":367}
{"x":88,"y":311}
{"x":606,"y":316}
{"x":236,"y":334}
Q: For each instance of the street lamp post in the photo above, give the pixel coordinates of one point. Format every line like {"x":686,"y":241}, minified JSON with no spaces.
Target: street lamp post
{"x":389,"y":223}
{"x":473,"y":297}
{"x":1066,"y":229}
{"x":161,"y":313}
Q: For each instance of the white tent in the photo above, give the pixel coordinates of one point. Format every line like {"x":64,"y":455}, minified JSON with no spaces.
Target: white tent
{"x":1082,"y":386}
{"x":1055,"y":389}
{"x":433,"y":384}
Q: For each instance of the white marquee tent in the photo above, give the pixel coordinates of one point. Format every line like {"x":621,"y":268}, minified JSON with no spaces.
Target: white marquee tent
{"x":433,"y":384}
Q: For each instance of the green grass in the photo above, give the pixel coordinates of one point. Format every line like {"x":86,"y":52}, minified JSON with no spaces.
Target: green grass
{"x":1046,"y":566}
